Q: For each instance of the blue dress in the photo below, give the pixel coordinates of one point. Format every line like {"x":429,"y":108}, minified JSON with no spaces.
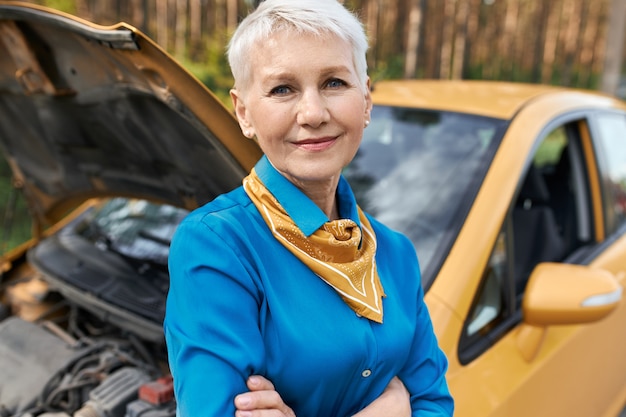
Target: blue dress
{"x":241,"y":304}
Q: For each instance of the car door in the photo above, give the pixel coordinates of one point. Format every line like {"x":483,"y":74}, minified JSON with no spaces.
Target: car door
{"x":567,"y":209}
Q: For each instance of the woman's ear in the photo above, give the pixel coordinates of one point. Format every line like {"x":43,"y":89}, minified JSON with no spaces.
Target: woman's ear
{"x":242,"y":113}
{"x":368,"y":102}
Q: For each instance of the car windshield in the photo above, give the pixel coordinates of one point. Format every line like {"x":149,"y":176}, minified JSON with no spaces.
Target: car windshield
{"x":418,"y":171}
{"x":135,"y":229}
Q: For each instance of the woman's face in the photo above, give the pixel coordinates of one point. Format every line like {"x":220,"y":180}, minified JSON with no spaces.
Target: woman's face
{"x":305,"y":105}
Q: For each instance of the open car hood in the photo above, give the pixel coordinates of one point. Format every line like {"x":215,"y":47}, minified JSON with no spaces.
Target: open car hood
{"x":88,"y":111}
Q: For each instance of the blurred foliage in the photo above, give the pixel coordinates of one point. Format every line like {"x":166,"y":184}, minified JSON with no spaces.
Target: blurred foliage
{"x":68,"y":6}
{"x":213,"y":71}
{"x":14,"y":214}
{"x":550,"y":150}
{"x":390,"y":69}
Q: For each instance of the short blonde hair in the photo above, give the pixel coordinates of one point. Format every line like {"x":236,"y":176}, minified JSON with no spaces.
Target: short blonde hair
{"x":304,"y":17}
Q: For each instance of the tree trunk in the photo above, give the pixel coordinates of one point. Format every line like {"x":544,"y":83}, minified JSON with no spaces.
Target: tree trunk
{"x":573,"y":15}
{"x":549,"y":52}
{"x":232,"y":17}
{"x":460,"y":40}
{"x":413,"y":38}
{"x":447,"y":37}
{"x":433,"y":19}
{"x":589,"y":52}
{"x":472,"y":33}
{"x":161,"y":23}
{"x":510,"y":46}
{"x":219,"y":8}
{"x":490,"y":30}
{"x":82,"y":10}
{"x":614,"y":47}
{"x":195,"y":24}
{"x":542,"y":21}
{"x":180,"y":44}
{"x":371,"y":10}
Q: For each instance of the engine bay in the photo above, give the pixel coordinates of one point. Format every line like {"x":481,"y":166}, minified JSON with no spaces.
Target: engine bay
{"x":71,"y":348}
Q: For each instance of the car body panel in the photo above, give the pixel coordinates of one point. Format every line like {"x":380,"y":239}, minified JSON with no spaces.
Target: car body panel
{"x":501,"y":100}
{"x":113,"y":83}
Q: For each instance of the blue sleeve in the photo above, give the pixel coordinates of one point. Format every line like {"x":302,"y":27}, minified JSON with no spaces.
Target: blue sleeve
{"x":424,"y":373}
{"x":211,"y":324}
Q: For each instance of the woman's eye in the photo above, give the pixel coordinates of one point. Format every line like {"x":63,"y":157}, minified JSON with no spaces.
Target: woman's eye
{"x":280,"y":90}
{"x":335,"y":83}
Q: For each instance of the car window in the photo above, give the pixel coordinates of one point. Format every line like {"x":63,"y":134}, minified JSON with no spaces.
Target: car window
{"x":549,"y":221}
{"x":491,"y":300}
{"x":418,"y":172}
{"x":611,"y":128}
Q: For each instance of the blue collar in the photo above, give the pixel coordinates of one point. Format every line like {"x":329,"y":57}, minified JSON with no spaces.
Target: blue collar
{"x":302,"y":210}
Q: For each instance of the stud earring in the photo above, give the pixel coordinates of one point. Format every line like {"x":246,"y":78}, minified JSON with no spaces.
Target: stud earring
{"x":367,"y":123}
{"x":246,"y":133}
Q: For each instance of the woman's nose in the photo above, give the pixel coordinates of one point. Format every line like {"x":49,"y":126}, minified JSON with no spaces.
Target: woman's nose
{"x":312,"y":109}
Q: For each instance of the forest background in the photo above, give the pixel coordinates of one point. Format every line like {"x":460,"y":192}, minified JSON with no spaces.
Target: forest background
{"x":574,"y":43}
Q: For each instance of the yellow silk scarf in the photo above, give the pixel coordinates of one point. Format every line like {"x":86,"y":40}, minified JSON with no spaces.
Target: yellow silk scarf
{"x":332,"y":252}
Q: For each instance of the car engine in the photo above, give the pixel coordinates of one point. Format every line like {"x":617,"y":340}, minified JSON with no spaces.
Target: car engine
{"x":69,"y":344}
{"x":92,"y":370}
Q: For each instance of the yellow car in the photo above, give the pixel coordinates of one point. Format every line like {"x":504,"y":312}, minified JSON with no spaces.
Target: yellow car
{"x":515,"y":198}
{"x":513,"y":195}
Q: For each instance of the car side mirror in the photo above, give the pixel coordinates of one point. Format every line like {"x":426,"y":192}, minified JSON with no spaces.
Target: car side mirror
{"x":561,"y":294}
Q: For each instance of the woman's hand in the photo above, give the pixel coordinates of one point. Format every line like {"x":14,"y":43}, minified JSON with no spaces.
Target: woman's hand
{"x":264,"y":401}
{"x":261,"y":401}
{"x":395,"y":401}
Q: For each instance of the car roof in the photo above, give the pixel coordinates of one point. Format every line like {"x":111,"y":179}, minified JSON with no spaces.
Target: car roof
{"x":496,"y":99}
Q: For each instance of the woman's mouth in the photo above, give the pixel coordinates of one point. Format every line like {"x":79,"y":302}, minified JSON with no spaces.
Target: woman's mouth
{"x":316,"y":144}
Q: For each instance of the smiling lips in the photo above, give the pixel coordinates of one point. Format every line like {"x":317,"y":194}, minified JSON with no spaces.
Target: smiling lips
{"x":317,"y":144}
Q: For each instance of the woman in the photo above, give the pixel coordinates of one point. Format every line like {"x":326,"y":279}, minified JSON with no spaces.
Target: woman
{"x":285,"y":298}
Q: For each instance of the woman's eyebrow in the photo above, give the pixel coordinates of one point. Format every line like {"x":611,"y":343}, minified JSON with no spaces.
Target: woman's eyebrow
{"x":335,"y":69}
{"x":283,"y":76}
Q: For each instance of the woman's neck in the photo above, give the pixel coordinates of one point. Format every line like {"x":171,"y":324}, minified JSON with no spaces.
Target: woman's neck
{"x":324,"y":195}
